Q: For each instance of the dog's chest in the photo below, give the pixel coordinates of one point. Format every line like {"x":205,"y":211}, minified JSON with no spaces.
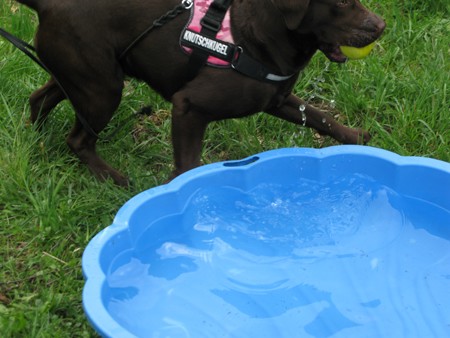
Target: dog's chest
{"x":223,"y":37}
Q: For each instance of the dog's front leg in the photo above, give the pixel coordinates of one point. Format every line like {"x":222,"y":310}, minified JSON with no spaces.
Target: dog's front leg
{"x":297,"y":111}
{"x":188,"y":130}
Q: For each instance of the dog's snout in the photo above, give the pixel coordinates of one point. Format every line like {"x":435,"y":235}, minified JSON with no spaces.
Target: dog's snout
{"x":375,"y":24}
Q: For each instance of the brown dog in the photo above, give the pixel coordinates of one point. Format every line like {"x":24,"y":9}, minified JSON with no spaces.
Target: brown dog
{"x":80,"y":42}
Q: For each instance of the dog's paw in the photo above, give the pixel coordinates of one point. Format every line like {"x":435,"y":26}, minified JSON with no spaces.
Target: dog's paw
{"x":111,"y":174}
{"x":122,"y":181}
{"x":356,"y":136}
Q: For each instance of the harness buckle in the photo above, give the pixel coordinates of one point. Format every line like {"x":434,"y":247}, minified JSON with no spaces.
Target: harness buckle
{"x":211,"y":24}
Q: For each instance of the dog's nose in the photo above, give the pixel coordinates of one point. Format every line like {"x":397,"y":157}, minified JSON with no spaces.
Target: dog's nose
{"x":381,"y":25}
{"x":374,"y":24}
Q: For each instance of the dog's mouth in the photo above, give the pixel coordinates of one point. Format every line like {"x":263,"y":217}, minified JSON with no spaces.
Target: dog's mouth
{"x":333,"y":50}
{"x":333,"y":53}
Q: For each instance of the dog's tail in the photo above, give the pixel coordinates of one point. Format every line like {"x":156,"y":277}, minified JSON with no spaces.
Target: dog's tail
{"x":34,"y":4}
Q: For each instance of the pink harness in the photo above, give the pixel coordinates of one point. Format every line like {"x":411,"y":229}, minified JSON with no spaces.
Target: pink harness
{"x":207,"y":37}
{"x":198,"y":10}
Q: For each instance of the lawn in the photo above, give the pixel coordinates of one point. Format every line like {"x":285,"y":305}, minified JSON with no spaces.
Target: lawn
{"x":50,"y":206}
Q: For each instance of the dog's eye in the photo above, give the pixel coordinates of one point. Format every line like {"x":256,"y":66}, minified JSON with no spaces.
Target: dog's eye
{"x":343,"y":3}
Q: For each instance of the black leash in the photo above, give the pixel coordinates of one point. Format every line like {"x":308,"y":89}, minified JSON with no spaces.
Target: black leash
{"x":172,"y":14}
{"x":211,"y":24}
{"x":29,"y":50}
{"x":23,"y":46}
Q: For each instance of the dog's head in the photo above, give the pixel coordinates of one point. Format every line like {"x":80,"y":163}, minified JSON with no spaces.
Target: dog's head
{"x":333,"y":23}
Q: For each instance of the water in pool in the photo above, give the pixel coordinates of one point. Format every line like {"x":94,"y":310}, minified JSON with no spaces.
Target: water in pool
{"x":349,"y":258}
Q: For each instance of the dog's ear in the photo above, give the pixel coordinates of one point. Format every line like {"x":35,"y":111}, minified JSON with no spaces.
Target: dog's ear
{"x":293,"y":11}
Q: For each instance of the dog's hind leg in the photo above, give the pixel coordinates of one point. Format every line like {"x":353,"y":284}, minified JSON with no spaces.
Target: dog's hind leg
{"x":83,"y":144}
{"x":96,"y":105}
{"x":43,"y":100}
{"x":81,"y":55}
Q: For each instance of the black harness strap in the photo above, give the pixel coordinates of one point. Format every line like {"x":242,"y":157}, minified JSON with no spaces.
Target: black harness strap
{"x":245,"y":64}
{"x":162,"y":20}
{"x":211,"y":24}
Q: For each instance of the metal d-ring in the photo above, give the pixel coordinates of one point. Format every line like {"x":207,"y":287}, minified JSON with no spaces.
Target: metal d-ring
{"x":187,"y":4}
{"x":238,"y":51}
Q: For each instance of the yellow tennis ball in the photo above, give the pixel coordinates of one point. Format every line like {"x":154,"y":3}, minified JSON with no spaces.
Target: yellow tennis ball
{"x":355,"y":53}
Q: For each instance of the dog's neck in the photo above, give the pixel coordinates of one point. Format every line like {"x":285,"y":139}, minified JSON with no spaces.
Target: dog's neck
{"x":267,"y":38}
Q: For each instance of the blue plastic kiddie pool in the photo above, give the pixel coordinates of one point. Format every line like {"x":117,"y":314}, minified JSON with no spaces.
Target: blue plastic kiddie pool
{"x":346,"y":241}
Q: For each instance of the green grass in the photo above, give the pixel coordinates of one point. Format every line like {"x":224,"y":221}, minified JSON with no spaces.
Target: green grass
{"x":50,"y":207}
